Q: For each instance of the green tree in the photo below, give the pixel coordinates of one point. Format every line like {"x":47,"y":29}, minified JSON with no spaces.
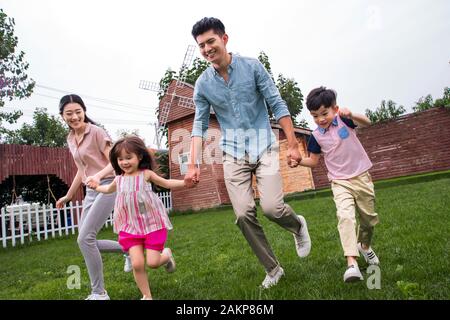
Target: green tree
{"x":45,"y":131}
{"x":445,"y":100}
{"x":387,"y":110}
{"x":289,"y":90}
{"x":264,"y":59}
{"x":14,"y":82}
{"x":424,"y":103}
{"x":122,"y":133}
{"x":193,"y":73}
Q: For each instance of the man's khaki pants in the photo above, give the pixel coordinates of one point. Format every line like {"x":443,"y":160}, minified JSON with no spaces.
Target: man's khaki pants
{"x":355,"y":195}
{"x":238,"y":180}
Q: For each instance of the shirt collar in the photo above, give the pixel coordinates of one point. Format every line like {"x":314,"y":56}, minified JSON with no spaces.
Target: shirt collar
{"x":86,"y":131}
{"x":231,"y":66}
{"x":334,"y":123}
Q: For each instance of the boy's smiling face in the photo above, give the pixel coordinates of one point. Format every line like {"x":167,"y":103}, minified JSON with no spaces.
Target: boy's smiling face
{"x":323,"y":117}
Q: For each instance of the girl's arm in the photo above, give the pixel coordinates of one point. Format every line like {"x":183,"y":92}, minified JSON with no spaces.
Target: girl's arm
{"x":110,"y":188}
{"x":76,"y":183}
{"x":175,"y":184}
{"x":310,"y":162}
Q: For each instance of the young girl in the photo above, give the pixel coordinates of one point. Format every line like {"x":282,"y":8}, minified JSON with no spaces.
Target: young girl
{"x":140,"y":217}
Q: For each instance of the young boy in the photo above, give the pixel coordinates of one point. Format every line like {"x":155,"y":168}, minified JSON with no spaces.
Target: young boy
{"x":348,"y":165}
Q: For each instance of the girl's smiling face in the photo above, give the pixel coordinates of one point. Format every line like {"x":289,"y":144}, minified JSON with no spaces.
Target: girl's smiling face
{"x":128,"y":162}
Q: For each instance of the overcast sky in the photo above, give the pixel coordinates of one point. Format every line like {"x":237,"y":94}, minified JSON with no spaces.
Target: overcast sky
{"x":366,"y":50}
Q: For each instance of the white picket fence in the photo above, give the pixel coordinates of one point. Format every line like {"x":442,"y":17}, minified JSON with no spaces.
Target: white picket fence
{"x":36,"y":222}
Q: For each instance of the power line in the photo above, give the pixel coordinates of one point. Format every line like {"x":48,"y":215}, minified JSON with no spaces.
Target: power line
{"x":114,"y":102}
{"x":29,"y":114}
{"x":91,"y":105}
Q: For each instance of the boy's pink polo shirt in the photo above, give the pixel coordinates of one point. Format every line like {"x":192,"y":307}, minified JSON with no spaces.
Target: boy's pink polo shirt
{"x":344,"y":154}
{"x":88,"y":154}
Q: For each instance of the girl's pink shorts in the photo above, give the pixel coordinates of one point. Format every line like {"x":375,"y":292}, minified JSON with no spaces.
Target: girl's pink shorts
{"x":154,"y":240}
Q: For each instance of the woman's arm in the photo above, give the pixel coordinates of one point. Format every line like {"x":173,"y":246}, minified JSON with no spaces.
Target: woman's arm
{"x":110,"y":188}
{"x":175,"y":184}
{"x":94,"y":181}
{"x":76,"y":183}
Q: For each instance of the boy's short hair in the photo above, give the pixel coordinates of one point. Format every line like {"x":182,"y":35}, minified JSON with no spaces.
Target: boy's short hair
{"x":321,"y":97}
{"x":207,"y":24}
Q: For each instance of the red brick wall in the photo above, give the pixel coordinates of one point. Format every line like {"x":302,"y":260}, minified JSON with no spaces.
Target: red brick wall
{"x":415,"y":143}
{"x":211,"y":190}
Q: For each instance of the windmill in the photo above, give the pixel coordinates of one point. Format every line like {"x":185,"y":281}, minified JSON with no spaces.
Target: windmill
{"x":183,"y":101}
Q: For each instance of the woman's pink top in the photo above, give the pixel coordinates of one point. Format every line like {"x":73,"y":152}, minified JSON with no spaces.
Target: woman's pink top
{"x":88,"y":153}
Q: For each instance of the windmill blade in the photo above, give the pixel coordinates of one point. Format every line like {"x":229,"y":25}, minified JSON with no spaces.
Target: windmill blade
{"x":149,"y":85}
{"x":186,"y":102}
{"x":164,"y":115}
{"x":188,"y":57}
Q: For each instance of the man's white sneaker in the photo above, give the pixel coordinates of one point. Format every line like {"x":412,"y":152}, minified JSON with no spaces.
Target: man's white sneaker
{"x":270,"y":281}
{"x":128,"y":267}
{"x":369,"y":255}
{"x":352,"y":274}
{"x":98,"y":296}
{"x":170,"y":265}
{"x":302,"y":240}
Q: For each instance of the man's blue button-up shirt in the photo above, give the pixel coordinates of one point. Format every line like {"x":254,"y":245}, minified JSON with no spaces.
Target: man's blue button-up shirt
{"x":240,"y":107}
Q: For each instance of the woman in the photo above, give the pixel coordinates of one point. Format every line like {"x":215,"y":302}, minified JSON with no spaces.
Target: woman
{"x":90,"y":146}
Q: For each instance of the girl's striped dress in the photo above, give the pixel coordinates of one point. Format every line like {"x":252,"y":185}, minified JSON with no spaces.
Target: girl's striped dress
{"x":138,"y":210}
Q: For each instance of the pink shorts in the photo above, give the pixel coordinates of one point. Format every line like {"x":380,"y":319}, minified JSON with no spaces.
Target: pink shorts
{"x":154,"y":240}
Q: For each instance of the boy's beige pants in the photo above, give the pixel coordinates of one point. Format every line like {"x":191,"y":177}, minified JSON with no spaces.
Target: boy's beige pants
{"x":355,"y":195}
{"x":238,"y":180}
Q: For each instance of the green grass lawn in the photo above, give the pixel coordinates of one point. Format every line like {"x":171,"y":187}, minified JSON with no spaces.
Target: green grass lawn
{"x":215,"y":262}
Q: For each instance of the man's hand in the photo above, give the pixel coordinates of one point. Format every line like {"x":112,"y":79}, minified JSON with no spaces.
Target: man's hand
{"x":293,"y":156}
{"x":192,"y":177}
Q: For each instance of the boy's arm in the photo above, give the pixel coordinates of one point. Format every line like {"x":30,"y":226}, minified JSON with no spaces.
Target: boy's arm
{"x":110,"y":188}
{"x":174,"y":184}
{"x":360,"y":119}
{"x":310,"y":162}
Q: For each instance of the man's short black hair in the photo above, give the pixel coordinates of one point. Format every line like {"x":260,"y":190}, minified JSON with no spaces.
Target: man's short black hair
{"x":321,"y":97}
{"x":207,"y":24}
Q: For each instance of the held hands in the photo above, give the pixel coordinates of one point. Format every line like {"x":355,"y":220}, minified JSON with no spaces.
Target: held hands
{"x":192,"y":177}
{"x":92,"y":182}
{"x":293,"y":157}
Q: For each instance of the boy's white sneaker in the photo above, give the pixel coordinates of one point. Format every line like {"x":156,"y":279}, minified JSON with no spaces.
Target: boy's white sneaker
{"x":302,"y":240}
{"x":352,"y":274}
{"x":369,"y":255}
{"x":170,"y":265}
{"x":98,"y":296}
{"x":128,"y":267}
{"x":270,"y":281}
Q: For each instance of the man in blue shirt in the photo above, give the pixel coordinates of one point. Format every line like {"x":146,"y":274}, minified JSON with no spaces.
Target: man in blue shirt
{"x":238,"y":89}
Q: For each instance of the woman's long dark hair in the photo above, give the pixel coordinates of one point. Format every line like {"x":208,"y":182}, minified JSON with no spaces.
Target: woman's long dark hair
{"x":73,"y":98}
{"x":131,"y":144}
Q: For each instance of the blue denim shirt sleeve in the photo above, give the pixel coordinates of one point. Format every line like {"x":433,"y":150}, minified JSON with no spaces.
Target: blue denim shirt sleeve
{"x":270,"y":92}
{"x":201,"y":119}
